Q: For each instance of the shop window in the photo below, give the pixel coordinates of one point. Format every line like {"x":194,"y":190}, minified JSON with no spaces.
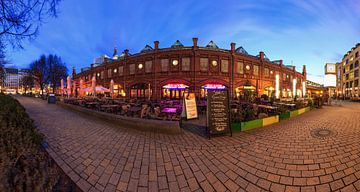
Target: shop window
{"x":224,"y":66}
{"x":256,"y":70}
{"x":239,"y":67}
{"x":109,"y":73}
{"x":148,"y":66}
{"x":164,"y":65}
{"x":185,"y":64}
{"x":102,"y":75}
{"x":121,"y":70}
{"x":132,"y":69}
{"x":266,"y":72}
{"x":204,"y":62}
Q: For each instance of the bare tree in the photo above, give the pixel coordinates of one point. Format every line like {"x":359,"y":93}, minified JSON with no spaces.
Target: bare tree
{"x":48,"y":71}
{"x":20,"y":19}
{"x":57,"y":71}
{"x":28,"y":82}
{"x":39,"y":70}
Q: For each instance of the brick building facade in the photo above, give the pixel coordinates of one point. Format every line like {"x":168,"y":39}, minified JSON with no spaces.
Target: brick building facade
{"x":165,"y":72}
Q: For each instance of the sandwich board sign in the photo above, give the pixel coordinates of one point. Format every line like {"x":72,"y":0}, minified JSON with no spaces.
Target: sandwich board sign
{"x":218,"y":112}
{"x":189,"y":106}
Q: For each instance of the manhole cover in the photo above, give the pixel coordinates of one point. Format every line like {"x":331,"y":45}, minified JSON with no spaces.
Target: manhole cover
{"x":322,"y":133}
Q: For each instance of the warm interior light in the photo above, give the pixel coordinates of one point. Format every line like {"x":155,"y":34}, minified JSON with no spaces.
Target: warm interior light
{"x":277,"y":87}
{"x":303,"y":88}
{"x":294,"y":87}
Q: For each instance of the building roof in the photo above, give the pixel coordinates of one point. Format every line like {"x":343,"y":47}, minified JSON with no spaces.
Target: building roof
{"x":177,"y":44}
{"x":11,"y":70}
{"x":241,"y":50}
{"x":211,"y":44}
{"x":147,"y":48}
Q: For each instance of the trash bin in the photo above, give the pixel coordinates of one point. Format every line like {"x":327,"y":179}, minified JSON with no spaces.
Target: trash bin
{"x":51,"y":99}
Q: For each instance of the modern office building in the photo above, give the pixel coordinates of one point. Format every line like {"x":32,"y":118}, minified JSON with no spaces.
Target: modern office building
{"x":12,"y":79}
{"x":347,"y":81}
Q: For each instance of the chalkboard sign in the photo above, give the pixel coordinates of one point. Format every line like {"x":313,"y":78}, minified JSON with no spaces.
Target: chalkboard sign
{"x":218,"y":115}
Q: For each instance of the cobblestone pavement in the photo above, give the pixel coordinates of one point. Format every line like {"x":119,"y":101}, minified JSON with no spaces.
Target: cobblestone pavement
{"x":317,"y":151}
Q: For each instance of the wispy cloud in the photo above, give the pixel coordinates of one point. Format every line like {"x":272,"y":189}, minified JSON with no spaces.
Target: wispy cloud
{"x":304,"y":32}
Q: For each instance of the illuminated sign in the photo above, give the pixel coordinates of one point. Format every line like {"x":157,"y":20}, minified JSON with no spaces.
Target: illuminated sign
{"x":214,"y":86}
{"x":175,"y":86}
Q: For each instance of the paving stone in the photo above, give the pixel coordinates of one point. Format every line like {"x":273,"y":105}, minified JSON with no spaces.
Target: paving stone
{"x":285,"y":156}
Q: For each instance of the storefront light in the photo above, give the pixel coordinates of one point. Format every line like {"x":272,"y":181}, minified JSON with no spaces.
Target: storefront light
{"x":303,"y":88}
{"x":175,"y":86}
{"x":214,"y":86}
{"x":140,"y":66}
{"x":277,"y":86}
{"x":294,"y":87}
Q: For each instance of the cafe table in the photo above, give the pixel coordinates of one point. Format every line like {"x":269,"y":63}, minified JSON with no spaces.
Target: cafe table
{"x":109,"y":108}
{"x":91,"y":104}
{"x":169,"y":111}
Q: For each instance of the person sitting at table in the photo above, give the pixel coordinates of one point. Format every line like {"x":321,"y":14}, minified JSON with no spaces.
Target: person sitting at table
{"x":145,"y":110}
{"x":156,"y":114}
{"x":125,"y":109}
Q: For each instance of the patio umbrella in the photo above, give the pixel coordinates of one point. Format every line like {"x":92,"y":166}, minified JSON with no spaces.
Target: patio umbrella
{"x":62,"y":87}
{"x":93,"y":85}
{"x":74,"y":88}
{"x":97,"y":89}
{"x":112,"y":88}
{"x":68,"y":86}
{"x":81,"y":87}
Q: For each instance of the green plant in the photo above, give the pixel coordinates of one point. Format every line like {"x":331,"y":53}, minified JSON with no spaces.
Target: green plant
{"x":24,"y":164}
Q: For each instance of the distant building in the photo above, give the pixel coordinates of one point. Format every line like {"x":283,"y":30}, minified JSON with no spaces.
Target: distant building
{"x":12,"y":79}
{"x":348,"y":74}
{"x":314,"y":88}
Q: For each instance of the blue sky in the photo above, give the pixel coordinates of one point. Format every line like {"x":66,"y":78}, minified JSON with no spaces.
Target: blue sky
{"x":310,"y":32}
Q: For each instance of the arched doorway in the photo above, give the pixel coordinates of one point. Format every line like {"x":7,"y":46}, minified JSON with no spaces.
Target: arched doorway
{"x":246,"y":92}
{"x":173,"y":90}
{"x":269,"y":91}
{"x":140,"y":90}
{"x":210,"y":86}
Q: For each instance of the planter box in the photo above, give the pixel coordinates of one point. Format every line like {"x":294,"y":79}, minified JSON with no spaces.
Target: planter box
{"x":283,"y":116}
{"x":301,"y":111}
{"x":251,"y":124}
{"x":294,"y":113}
{"x":270,"y":120}
{"x":236,"y":127}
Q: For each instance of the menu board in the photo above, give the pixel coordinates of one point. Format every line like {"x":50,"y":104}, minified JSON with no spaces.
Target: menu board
{"x":190,"y":106}
{"x":218,"y":115}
